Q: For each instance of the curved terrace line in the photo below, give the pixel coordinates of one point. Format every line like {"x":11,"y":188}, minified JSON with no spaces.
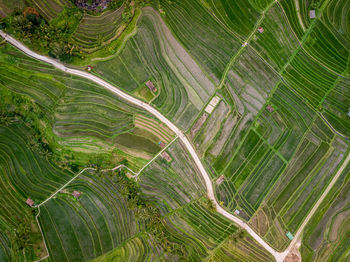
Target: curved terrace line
{"x":279,"y":256}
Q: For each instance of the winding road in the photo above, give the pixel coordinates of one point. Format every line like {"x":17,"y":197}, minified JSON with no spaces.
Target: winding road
{"x":279,"y":256}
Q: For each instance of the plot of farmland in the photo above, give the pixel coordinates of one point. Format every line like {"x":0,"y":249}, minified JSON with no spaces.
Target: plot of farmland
{"x":95,"y":224}
{"x":93,"y":31}
{"x":84,"y":117}
{"x":155,"y":54}
{"x":25,"y":173}
{"x":261,"y":90}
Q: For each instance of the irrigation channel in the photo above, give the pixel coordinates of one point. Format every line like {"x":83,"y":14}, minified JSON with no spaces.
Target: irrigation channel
{"x":279,"y":256}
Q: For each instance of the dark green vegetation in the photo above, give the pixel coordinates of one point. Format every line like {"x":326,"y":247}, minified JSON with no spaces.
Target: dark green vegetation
{"x":64,"y":30}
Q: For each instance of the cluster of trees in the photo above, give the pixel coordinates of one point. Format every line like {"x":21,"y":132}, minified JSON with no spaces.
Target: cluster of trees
{"x":17,"y":109}
{"x":52,"y":37}
{"x":147,"y":214}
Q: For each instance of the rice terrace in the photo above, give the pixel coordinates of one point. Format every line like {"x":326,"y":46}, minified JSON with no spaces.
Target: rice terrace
{"x":175,"y":130}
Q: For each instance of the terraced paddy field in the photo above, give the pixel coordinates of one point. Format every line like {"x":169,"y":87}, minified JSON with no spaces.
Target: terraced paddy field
{"x":178,"y":191}
{"x":327,"y":234}
{"x":25,"y":173}
{"x":81,"y":117}
{"x":91,"y":226}
{"x":206,"y":39}
{"x":50,"y":9}
{"x":154,"y":54}
{"x":94,"y":32}
{"x":277,"y":137}
{"x":272,"y":144}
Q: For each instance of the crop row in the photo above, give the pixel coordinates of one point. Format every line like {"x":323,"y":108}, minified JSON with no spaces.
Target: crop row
{"x":93,"y":31}
{"x":88,"y":227}
{"x":153,"y":53}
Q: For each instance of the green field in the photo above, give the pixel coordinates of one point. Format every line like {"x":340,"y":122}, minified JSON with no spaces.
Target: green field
{"x":271,"y":146}
{"x":25,"y":173}
{"x":153,"y":53}
{"x":77,"y":116}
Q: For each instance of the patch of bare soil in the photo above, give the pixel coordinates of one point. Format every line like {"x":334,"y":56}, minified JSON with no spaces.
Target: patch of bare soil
{"x":294,"y":254}
{"x":198,"y":125}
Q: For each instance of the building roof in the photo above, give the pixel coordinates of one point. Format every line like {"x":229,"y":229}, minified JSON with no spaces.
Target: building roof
{"x":76,"y":193}
{"x":312,"y":13}
{"x":260,"y":29}
{"x":220,"y":180}
{"x":29,"y":202}
{"x":166,"y":156}
{"x":150,"y":85}
{"x":269,"y":108}
{"x":290,"y":236}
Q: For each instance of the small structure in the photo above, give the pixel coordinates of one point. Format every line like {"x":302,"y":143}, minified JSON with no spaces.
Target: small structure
{"x":166,"y":156}
{"x":29,"y":202}
{"x":312,"y":14}
{"x":269,"y":108}
{"x":245,"y":44}
{"x":348,"y":113}
{"x":212,"y":104}
{"x":261,"y":30}
{"x":161,"y":144}
{"x":76,"y":194}
{"x":89,"y":68}
{"x":151,"y":87}
{"x":237,"y":212}
{"x":220,"y":180}
{"x":290,"y":236}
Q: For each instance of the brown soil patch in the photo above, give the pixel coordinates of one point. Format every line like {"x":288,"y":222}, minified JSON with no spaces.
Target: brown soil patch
{"x":294,"y":254}
{"x":198,"y":125}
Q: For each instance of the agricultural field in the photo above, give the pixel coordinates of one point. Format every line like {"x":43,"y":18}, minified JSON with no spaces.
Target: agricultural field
{"x":220,"y":131}
{"x":182,"y":87}
{"x":95,"y":31}
{"x":81,"y":118}
{"x":92,"y":225}
{"x":178,"y":191}
{"x":25,"y":173}
{"x":327,"y":234}
{"x":205,"y":38}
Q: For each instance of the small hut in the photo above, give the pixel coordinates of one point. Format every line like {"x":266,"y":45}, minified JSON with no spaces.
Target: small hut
{"x":29,"y":202}
{"x":312,"y":14}
{"x":261,"y":30}
{"x":151,"y":87}
{"x":76,"y":194}
{"x":269,"y":108}
{"x":166,"y":156}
